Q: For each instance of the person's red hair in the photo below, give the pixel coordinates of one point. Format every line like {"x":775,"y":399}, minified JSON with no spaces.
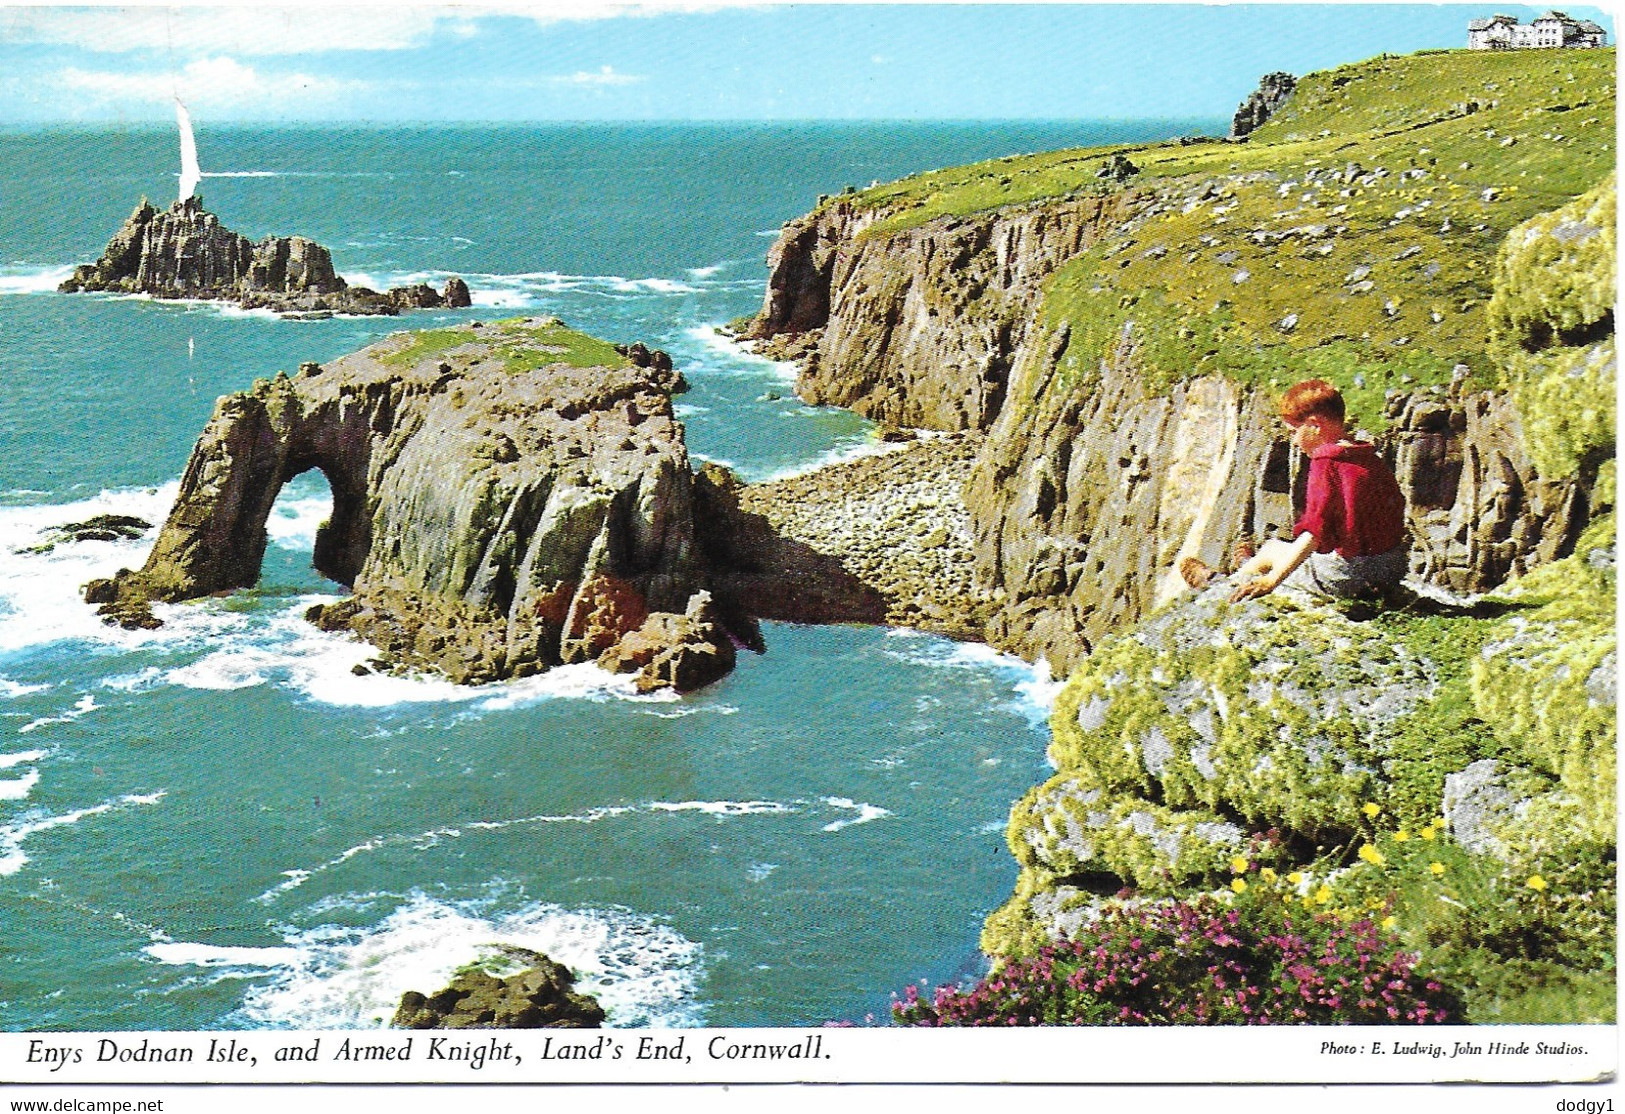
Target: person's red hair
{"x":1313,"y":398}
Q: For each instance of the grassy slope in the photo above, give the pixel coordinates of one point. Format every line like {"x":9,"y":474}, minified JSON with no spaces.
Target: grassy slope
{"x":1375,"y":282}
{"x":522,"y":346}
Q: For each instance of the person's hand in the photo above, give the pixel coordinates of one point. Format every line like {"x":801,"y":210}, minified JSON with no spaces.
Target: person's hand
{"x":1257,"y":586}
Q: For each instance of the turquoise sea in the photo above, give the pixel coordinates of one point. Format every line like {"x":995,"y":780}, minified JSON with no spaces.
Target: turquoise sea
{"x":218,"y":825}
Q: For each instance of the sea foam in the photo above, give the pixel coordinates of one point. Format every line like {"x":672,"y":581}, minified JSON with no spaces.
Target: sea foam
{"x":329,"y":977}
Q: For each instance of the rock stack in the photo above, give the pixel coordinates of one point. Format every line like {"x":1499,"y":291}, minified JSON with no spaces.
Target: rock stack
{"x":185,"y":252}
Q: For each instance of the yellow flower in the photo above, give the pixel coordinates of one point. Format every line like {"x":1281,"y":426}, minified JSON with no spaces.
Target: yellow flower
{"x":1371,"y":855}
{"x":1323,"y":895}
{"x":1401,"y":836}
{"x":1239,"y":885}
{"x":1371,"y":809}
{"x":1389,"y":921}
{"x":1267,"y":874}
{"x":1286,"y":898}
{"x":1238,"y":864}
{"x":1536,"y":882}
{"x":1437,"y":868}
{"x":1427,"y":833}
{"x":1296,"y":877}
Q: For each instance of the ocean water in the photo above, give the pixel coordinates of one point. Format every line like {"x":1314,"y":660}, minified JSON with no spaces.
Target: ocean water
{"x":218,"y":825}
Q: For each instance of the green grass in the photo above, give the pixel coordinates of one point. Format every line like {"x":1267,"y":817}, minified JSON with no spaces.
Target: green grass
{"x":520,"y":345}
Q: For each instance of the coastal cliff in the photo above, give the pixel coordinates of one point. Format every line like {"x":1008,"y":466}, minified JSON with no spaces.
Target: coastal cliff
{"x":506,"y":498}
{"x":1438,"y":778}
{"x":1120,"y":341}
{"x":185,"y":252}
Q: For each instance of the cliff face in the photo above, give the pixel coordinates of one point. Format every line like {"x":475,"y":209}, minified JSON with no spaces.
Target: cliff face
{"x":506,"y":498}
{"x":185,"y":252}
{"x":920,"y":327}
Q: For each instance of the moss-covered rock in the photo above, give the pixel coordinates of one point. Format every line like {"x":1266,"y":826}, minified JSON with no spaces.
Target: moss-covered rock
{"x":1554,"y":274}
{"x":1280,"y":713}
{"x":1545,"y":681}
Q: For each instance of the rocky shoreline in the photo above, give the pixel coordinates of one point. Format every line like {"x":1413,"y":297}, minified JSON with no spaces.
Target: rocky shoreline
{"x":895,"y":521}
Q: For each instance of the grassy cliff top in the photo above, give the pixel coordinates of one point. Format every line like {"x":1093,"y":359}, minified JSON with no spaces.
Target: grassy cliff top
{"x":522,"y":343}
{"x":1558,"y":107}
{"x":1352,"y":238}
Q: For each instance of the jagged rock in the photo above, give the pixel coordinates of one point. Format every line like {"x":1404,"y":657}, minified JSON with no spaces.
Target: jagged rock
{"x":919,"y":327}
{"x":492,"y":518}
{"x":1273,"y":91}
{"x":100,"y":528}
{"x":456,"y":295}
{"x":683,"y":652}
{"x":539,"y":997}
{"x":185,"y":252}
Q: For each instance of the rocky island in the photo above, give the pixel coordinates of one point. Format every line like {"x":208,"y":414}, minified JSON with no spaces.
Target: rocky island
{"x":507,"y":497}
{"x":185,"y":252}
{"x":1436,"y":781}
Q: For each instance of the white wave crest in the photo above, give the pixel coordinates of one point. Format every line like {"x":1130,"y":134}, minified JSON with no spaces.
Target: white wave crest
{"x":641,"y":971}
{"x":32,"y":280}
{"x":7,"y":761}
{"x":865,"y":813}
{"x":11,"y":690}
{"x":16,"y":789}
{"x":12,"y":836}
{"x":85,"y":704}
{"x":40,"y":600}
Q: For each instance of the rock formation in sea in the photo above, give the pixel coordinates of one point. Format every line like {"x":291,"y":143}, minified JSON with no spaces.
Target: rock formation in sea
{"x":185,"y":252}
{"x":507,"y":497}
{"x":542,"y":996}
{"x":1272,"y":92}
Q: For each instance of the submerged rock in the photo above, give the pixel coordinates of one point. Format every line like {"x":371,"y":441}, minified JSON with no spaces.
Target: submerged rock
{"x":100,"y":528}
{"x":185,"y":252}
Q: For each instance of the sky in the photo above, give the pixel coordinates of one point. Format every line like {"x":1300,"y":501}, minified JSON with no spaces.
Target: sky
{"x":582,"y":60}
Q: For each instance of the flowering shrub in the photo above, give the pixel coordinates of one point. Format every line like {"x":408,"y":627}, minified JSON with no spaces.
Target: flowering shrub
{"x":1202,"y":962}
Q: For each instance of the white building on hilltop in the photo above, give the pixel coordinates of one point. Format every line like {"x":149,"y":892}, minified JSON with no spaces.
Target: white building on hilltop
{"x":1552,"y":30}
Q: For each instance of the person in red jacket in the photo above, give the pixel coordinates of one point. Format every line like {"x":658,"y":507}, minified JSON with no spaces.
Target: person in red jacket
{"x":1351,"y":539}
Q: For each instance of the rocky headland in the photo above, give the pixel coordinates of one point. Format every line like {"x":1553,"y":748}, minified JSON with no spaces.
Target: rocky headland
{"x":185,"y":252}
{"x":1114,"y":343}
{"x":507,"y":497}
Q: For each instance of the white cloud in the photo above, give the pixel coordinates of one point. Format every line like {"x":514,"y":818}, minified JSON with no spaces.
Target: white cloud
{"x":606,"y":75}
{"x":239,"y":29}
{"x":301,"y":26}
{"x":209,"y":84}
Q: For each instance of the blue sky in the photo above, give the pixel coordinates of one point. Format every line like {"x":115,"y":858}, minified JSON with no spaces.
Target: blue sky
{"x":685,"y":59}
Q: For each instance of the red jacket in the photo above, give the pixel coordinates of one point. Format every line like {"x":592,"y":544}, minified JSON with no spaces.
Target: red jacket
{"x":1354,"y":504}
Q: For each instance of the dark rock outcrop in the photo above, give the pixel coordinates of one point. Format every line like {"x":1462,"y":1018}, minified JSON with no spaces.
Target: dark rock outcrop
{"x":185,"y":252}
{"x":539,"y":997}
{"x":98,"y":528}
{"x":1273,"y":91}
{"x":497,"y":509}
